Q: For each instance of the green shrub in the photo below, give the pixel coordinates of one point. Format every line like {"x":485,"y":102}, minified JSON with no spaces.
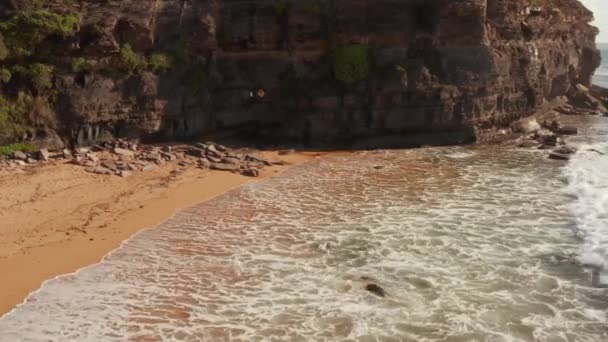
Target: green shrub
{"x":8,"y":150}
{"x":5,"y":75}
{"x":41,"y":76}
{"x":159,"y":63}
{"x":27,"y":29}
{"x":80,"y":64}
{"x":12,"y":116}
{"x":351,"y":63}
{"x":3,"y":49}
{"x":130,"y":61}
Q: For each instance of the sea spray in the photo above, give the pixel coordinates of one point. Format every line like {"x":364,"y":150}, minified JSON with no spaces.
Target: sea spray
{"x":587,"y":175}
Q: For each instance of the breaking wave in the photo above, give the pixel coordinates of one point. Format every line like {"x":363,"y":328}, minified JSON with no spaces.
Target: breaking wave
{"x":587,"y":175}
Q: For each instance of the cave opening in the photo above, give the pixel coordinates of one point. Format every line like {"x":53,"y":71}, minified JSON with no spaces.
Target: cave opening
{"x":425,"y":18}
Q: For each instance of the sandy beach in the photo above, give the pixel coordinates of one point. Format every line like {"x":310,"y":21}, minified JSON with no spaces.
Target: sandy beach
{"x":57,"y":218}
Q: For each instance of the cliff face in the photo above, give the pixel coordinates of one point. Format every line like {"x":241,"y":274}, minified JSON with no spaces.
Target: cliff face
{"x":319,"y":71}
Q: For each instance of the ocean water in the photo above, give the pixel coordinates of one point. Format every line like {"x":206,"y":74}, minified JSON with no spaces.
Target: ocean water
{"x":469,"y":244}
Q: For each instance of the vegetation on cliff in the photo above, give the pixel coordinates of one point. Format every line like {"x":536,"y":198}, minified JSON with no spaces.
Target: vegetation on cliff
{"x":351,"y":63}
{"x":26,"y":30}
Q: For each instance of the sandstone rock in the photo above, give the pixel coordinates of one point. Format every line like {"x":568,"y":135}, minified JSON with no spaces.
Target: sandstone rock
{"x":581,"y":88}
{"x":92,"y":157}
{"x":124,"y":173}
{"x":474,"y":64}
{"x":154,"y":156}
{"x":214,"y":159}
{"x":212,"y":151}
{"x":67,"y":154}
{"x":231,"y":160}
{"x":109,"y":165}
{"x":123,"y":152}
{"x":224,"y":167}
{"x":527,"y":126}
{"x":43,"y":154}
{"x":524,"y":142}
{"x":251,"y":172}
{"x":204,"y":163}
{"x":149,"y":168}
{"x":31,"y":161}
{"x":100,"y":170}
{"x":566,"y":150}
{"x":567,"y":130}
{"x":82,"y":150}
{"x":559,"y":156}
{"x":168,"y":156}
{"x":546,"y":138}
{"x":255,"y":158}
{"x":19,"y":155}
{"x":221,"y":148}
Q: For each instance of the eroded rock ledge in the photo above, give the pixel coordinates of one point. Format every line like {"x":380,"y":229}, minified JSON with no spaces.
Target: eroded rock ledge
{"x":317,"y":71}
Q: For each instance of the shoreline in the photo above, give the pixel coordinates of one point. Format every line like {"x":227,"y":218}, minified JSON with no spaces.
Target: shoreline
{"x":57,"y":219}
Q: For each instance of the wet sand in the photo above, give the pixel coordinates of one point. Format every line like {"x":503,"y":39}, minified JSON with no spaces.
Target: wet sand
{"x":57,"y":218}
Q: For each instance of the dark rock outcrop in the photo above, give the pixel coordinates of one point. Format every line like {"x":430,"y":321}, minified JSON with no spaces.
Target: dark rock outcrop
{"x":312,"y":71}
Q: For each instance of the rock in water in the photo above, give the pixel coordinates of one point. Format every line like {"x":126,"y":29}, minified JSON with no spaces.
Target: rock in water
{"x":567,"y":130}
{"x":600,"y":278}
{"x":375,"y":289}
{"x":559,"y":156}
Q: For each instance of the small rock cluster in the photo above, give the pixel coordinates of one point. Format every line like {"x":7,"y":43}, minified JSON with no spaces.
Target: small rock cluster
{"x":123,"y":158}
{"x":548,"y":135}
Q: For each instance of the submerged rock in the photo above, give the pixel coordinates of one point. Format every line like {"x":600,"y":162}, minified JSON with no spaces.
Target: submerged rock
{"x":375,"y":289}
{"x":559,"y":156}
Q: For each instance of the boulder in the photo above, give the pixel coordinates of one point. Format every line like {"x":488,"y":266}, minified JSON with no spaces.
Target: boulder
{"x":67,"y":154}
{"x":43,"y":154}
{"x":567,"y":130}
{"x":375,"y":289}
{"x":566,"y":150}
{"x":214,"y":159}
{"x":100,"y":170}
{"x":123,"y":152}
{"x":231,"y":160}
{"x":559,"y":156}
{"x":546,"y":138}
{"x":224,"y":167}
{"x":124,"y":173}
{"x":250,"y":172}
{"x":92,"y":157}
{"x":19,"y":155}
{"x":149,"y":168}
{"x":109,"y":164}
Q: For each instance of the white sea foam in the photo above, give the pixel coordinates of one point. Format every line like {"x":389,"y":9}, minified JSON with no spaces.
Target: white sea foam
{"x":467,"y":249}
{"x":587,"y":175}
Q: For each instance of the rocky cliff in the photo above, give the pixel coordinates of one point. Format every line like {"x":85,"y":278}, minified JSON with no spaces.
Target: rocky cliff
{"x":315,"y":71}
